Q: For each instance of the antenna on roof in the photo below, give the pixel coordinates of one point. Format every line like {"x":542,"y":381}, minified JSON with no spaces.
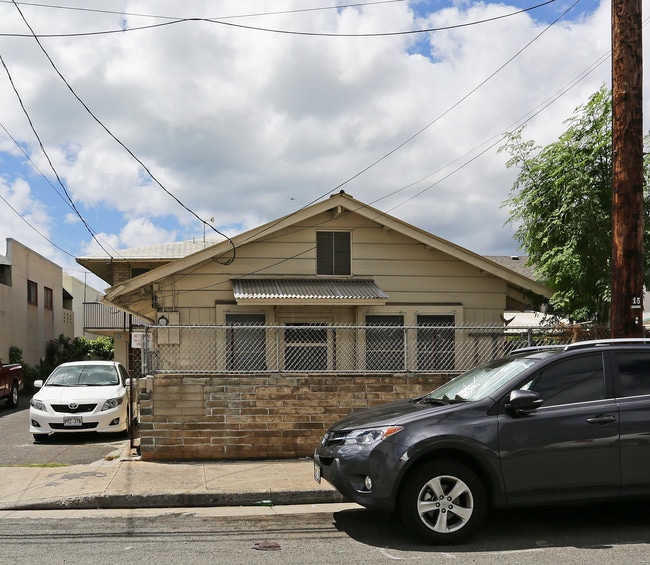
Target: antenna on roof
{"x":205,"y":224}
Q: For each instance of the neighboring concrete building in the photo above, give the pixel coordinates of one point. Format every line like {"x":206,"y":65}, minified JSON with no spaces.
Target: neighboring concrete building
{"x":78,"y":294}
{"x":258,"y":326}
{"x":34,"y":307}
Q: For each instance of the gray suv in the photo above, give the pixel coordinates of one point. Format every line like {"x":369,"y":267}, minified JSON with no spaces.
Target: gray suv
{"x":543,"y":425}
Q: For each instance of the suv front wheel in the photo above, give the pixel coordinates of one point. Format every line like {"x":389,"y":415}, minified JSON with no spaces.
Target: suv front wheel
{"x":443,"y":501}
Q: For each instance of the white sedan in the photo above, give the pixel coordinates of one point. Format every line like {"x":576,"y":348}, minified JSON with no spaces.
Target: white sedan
{"x":83,"y":396}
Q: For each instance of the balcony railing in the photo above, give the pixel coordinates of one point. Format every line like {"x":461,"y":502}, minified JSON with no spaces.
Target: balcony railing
{"x":98,"y":316}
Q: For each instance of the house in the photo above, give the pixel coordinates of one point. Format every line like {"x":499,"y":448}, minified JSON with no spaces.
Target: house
{"x":258,"y":342}
{"x":34,"y":306}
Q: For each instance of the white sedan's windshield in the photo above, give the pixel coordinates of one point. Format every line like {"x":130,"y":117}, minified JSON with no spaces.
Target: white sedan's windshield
{"x":83,"y":375}
{"x":481,"y":381}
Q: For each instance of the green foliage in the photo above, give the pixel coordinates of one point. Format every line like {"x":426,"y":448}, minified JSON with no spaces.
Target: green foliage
{"x":65,"y":349}
{"x":15,"y":355}
{"x":62,"y":350}
{"x":561,"y":204}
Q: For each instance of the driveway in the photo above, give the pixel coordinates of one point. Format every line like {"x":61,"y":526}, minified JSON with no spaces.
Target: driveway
{"x":17,"y":445}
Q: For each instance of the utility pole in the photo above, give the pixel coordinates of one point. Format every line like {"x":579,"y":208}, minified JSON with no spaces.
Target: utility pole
{"x":626,"y":318}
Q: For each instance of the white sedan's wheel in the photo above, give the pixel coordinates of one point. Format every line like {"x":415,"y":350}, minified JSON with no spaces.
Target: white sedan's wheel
{"x":444,"y":502}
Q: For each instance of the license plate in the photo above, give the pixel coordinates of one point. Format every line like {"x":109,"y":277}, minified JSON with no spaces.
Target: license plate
{"x":72,"y":422}
{"x":316,"y":473}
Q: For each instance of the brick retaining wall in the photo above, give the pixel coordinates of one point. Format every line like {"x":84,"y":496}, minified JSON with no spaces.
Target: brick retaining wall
{"x":189,"y":417}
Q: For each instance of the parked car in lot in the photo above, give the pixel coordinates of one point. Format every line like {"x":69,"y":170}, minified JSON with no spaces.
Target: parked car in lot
{"x":11,"y":383}
{"x":543,"y":425}
{"x":83,"y":396}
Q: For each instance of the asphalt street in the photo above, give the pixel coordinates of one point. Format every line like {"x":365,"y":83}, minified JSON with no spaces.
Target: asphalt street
{"x":17,"y":445}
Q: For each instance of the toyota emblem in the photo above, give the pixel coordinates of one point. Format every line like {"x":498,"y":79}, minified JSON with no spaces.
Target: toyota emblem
{"x":73,"y":406}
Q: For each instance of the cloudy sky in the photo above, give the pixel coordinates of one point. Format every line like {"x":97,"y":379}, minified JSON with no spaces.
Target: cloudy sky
{"x":158,"y":115}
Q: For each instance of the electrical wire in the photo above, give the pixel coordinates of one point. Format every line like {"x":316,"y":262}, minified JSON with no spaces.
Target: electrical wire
{"x":35,"y":228}
{"x":273,"y":13}
{"x":40,"y":143}
{"x":105,"y":128}
{"x":220,"y":21}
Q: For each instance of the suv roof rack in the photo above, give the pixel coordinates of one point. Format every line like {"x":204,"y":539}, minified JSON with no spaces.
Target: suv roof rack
{"x":585,"y":344}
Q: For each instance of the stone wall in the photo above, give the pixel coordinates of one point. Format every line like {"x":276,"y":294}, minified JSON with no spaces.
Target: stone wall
{"x":188,"y":417}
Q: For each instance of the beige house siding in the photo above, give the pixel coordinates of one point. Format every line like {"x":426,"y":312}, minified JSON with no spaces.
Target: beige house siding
{"x":414,"y":277}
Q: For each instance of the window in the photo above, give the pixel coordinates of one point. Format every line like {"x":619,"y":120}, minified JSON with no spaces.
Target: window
{"x":48,"y":298}
{"x":435,"y":343}
{"x":579,"y":379}
{"x":245,"y":344}
{"x":32,"y":293}
{"x":5,"y":275}
{"x":385,"y":343}
{"x":333,"y":253}
{"x":633,"y":373}
{"x":305,"y":347}
{"x":137,"y":271}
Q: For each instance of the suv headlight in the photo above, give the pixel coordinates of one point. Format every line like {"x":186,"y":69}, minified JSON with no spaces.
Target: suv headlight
{"x":112,"y":403}
{"x":368,"y":436}
{"x":37,"y":405}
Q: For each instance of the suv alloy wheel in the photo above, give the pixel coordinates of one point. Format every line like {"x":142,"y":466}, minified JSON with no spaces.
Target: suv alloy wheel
{"x":443,"y":502}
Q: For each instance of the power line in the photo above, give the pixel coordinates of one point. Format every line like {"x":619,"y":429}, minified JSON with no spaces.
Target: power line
{"x":34,"y":227}
{"x":256,"y":14}
{"x":40,"y":143}
{"x":100,"y":123}
{"x":220,"y":21}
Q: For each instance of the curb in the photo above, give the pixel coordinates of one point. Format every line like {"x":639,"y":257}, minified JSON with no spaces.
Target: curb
{"x":181,"y":500}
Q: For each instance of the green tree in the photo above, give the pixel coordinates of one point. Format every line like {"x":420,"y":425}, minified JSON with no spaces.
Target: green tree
{"x":561,"y":204}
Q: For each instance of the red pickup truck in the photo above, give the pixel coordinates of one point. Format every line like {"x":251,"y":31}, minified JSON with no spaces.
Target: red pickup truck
{"x":11,"y":383}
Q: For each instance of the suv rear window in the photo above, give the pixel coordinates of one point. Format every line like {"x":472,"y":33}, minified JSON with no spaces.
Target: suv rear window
{"x":633,"y":372}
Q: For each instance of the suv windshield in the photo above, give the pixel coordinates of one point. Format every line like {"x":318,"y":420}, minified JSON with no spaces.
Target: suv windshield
{"x":481,"y":381}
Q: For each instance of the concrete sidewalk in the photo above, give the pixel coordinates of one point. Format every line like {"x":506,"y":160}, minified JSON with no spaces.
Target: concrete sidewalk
{"x":122,"y":480}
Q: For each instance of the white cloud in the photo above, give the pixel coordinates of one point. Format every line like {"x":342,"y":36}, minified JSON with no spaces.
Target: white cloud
{"x":245,"y":126}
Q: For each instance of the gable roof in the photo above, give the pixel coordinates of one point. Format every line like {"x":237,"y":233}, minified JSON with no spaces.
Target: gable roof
{"x":102,"y":265}
{"x":335,"y":205}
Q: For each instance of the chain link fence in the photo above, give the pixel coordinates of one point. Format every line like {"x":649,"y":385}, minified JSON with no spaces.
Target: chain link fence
{"x":316,"y":348}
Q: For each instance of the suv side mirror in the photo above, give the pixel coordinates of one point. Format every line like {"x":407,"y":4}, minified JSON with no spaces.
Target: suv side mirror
{"x":522,"y":401}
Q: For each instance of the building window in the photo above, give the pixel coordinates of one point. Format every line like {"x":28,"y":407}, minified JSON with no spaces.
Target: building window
{"x":385,"y":343}
{"x":5,"y":275}
{"x":333,"y":253}
{"x":245,"y":345}
{"x":48,"y":298}
{"x":435,"y":343}
{"x":305,"y":347}
{"x":136,"y":271}
{"x":32,"y":293}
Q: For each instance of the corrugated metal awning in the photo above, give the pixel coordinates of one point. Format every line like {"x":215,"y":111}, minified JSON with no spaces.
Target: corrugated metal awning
{"x":304,"y":292}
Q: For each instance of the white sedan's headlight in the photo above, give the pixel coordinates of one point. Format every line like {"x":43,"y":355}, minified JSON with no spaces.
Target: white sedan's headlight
{"x":370,"y":435}
{"x":37,"y":405}
{"x":112,"y":403}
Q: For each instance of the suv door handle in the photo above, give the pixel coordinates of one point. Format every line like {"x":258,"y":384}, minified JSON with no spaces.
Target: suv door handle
{"x":601,"y":419}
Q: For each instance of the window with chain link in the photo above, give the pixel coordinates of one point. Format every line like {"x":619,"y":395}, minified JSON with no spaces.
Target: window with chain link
{"x":435,"y":343}
{"x":245,"y":343}
{"x":305,"y":348}
{"x":385,"y":343}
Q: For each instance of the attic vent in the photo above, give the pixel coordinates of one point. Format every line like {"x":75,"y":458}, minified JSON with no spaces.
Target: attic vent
{"x":514,"y":257}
